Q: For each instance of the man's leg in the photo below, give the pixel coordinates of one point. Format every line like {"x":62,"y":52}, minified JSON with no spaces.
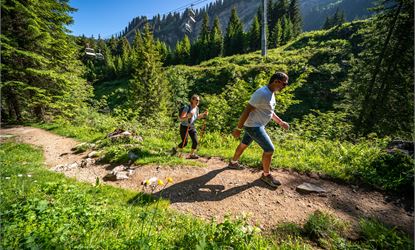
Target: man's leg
{"x":261,"y":137}
{"x":266,"y":162}
{"x":238,"y":152}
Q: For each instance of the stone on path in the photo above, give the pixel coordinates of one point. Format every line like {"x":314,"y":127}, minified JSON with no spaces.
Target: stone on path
{"x":307,"y":188}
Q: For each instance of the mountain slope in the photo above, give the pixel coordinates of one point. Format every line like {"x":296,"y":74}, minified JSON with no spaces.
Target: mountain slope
{"x":169,"y":28}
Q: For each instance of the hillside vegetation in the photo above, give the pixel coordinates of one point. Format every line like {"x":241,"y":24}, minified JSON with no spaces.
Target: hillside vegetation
{"x":350,"y":94}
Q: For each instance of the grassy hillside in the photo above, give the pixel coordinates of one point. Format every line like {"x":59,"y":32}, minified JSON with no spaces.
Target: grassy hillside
{"x":316,"y":62}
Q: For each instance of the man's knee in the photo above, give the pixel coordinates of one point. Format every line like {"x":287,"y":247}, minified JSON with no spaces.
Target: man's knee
{"x":269,"y":150}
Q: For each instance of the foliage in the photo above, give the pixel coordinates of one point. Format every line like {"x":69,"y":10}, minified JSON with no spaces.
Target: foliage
{"x":329,"y":125}
{"x":377,"y":236}
{"x":337,"y":19}
{"x":234,"y":37}
{"x":325,"y":229}
{"x":40,"y":74}
{"x":391,"y":171}
{"x":148,"y":88}
{"x":378,"y":92}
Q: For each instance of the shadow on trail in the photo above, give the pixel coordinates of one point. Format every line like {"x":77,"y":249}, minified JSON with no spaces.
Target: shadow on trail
{"x":198,"y":189}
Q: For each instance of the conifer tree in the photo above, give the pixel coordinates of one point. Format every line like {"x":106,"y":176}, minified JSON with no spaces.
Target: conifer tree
{"x":178,"y":53}
{"x":378,"y":95}
{"x":148,"y":87}
{"x":295,"y":17}
{"x":255,"y":35}
{"x":337,"y":19}
{"x":271,"y":17}
{"x":185,"y":50}
{"x":216,"y":40}
{"x":203,"y":40}
{"x":112,"y":45}
{"x":276,"y":38}
{"x":40,"y":71}
{"x":204,"y":32}
{"x":234,"y":38}
{"x":286,"y":30}
{"x":126,"y":56}
{"x":281,"y":8}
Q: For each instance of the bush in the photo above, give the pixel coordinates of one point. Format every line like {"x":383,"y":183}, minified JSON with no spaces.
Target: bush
{"x":391,"y":172}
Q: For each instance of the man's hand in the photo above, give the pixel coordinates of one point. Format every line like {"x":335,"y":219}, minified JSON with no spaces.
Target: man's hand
{"x":284,"y":125}
{"x":205,"y":114}
{"x":236,"y":133}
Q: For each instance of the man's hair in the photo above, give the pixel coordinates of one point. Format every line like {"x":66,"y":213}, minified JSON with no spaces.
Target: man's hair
{"x":277,"y":76}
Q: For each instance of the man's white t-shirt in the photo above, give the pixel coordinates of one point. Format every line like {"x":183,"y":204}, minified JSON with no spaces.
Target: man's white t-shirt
{"x":264,"y":102}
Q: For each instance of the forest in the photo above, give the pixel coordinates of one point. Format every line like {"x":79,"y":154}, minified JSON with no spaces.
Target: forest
{"x":349,"y":103}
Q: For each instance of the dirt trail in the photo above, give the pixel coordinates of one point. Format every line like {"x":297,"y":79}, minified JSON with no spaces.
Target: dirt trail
{"x":214,"y":191}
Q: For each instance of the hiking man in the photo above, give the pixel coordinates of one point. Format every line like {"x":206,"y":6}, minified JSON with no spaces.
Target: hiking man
{"x":256,"y":115}
{"x":188,"y":116}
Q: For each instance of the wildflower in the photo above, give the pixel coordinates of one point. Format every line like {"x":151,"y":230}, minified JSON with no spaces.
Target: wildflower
{"x":7,"y":178}
{"x":160,"y":182}
{"x":169,"y":180}
{"x":29,"y":175}
{"x":20,"y":175}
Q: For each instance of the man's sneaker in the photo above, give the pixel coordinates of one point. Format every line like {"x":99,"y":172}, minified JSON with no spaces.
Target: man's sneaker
{"x":193,"y":156}
{"x":270,"y":180}
{"x":235,"y":165}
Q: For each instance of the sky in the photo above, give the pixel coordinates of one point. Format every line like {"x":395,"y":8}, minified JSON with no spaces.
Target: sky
{"x":109,"y":17}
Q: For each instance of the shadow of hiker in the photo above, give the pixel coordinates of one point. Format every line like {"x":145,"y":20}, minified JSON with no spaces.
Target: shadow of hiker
{"x":197,"y":189}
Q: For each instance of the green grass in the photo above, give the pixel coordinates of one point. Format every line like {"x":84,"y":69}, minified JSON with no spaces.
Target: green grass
{"x":44,"y":210}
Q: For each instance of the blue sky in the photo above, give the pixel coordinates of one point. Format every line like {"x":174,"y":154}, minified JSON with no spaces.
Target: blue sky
{"x":108,"y":17}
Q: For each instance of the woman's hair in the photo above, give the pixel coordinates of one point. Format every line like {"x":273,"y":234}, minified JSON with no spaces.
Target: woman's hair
{"x":194,"y":96}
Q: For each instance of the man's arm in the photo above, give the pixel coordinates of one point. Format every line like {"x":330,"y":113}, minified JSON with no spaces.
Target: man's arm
{"x":248,"y":109}
{"x":279,"y":121}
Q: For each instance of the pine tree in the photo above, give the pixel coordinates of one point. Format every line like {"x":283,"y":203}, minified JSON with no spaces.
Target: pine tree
{"x":203,"y":40}
{"x":337,"y":19}
{"x":255,"y":35}
{"x":281,"y":9}
{"x":286,"y":30}
{"x":148,"y":87}
{"x":204,"y":32}
{"x":185,"y":49}
{"x":235,"y":37}
{"x":295,"y":17}
{"x":126,"y":56}
{"x":40,"y":71}
{"x":378,"y":95}
{"x":276,"y":37}
{"x":271,"y":17}
{"x":112,"y":45}
{"x":216,"y":40}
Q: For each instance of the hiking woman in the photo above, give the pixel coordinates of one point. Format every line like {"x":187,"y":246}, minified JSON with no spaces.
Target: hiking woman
{"x":188,"y":115}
